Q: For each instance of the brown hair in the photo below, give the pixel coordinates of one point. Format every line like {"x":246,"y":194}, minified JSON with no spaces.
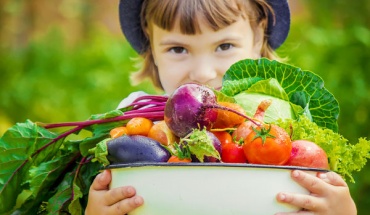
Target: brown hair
{"x":218,"y":14}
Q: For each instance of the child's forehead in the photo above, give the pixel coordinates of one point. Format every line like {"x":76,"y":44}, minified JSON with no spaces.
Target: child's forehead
{"x":190,"y":15}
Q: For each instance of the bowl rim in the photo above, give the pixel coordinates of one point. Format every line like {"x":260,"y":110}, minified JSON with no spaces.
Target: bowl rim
{"x":209,"y":164}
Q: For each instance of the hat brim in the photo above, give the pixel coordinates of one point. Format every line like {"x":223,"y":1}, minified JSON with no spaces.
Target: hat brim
{"x":129,"y":17}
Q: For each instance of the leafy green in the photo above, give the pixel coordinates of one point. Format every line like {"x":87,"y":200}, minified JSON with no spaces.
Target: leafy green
{"x":18,"y":148}
{"x":302,"y":88}
{"x":101,"y":152}
{"x":32,"y":160}
{"x":200,"y":144}
{"x":344,"y":157}
{"x":45,"y":172}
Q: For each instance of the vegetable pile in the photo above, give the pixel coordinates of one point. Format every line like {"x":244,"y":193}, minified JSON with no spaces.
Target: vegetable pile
{"x":266,"y":113}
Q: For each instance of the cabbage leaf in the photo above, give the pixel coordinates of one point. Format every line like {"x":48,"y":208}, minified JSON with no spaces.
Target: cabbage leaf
{"x":301,"y":87}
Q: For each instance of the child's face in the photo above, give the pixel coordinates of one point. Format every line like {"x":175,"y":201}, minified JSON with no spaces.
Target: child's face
{"x":202,"y":58}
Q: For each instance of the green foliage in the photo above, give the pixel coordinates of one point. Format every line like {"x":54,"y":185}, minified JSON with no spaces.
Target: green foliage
{"x":49,"y":81}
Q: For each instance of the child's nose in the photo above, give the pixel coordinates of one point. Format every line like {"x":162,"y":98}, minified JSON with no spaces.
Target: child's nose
{"x":203,"y":70}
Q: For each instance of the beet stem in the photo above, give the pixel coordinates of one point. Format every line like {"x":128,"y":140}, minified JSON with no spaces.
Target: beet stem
{"x":145,"y":110}
{"x":152,"y":98}
{"x":155,"y":115}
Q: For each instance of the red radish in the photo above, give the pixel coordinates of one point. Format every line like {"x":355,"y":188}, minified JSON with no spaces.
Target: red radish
{"x":308,"y":154}
{"x":192,"y":106}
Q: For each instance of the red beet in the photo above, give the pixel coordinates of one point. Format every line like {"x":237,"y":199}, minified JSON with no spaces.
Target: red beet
{"x":190,"y":106}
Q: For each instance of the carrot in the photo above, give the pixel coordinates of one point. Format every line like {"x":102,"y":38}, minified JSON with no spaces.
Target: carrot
{"x":228,"y":119}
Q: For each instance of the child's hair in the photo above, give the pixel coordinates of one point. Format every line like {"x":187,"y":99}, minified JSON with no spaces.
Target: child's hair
{"x":218,"y":14}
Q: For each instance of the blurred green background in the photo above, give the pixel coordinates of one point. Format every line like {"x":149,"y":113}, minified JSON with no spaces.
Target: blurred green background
{"x":64,"y":60}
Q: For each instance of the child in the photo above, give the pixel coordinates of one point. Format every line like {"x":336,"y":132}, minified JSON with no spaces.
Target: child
{"x":185,"y":41}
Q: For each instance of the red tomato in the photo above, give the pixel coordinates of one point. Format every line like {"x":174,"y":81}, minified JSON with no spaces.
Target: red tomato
{"x":268,"y":144}
{"x":223,"y":136}
{"x":233,"y":153}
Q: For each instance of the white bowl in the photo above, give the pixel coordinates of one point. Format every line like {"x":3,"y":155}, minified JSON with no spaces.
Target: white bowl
{"x":208,"y":188}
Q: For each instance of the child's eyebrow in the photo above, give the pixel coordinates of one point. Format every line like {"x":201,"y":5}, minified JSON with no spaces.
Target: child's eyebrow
{"x":171,"y":42}
{"x":229,"y":38}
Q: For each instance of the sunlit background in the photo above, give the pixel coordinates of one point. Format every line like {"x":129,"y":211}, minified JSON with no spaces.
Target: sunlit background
{"x":64,"y":60}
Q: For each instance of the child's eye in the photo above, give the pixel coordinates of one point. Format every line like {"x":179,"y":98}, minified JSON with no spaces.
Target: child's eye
{"x":178,"y":50}
{"x":224,"y":47}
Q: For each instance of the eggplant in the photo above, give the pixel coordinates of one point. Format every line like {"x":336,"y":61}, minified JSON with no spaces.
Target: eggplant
{"x":136,"y":149}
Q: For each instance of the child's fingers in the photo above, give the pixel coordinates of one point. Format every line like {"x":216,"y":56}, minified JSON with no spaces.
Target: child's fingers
{"x":125,"y":206}
{"x":118,"y":194}
{"x":312,"y":183}
{"x":309,"y":203}
{"x":332,"y":178}
{"x":101,"y":181}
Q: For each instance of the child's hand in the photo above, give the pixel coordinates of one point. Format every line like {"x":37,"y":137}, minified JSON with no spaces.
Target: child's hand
{"x":120,"y":200}
{"x":329,"y":195}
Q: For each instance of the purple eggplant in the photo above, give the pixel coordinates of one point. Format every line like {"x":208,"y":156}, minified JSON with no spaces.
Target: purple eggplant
{"x":136,"y":149}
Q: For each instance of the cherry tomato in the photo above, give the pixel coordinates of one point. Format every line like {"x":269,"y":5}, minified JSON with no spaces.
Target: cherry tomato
{"x":233,"y":153}
{"x":268,"y":144}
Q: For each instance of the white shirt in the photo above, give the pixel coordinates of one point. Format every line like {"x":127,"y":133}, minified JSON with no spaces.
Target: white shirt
{"x":130,"y":98}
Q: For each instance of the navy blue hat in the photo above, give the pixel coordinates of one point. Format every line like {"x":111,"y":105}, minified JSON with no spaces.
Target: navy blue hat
{"x":129,"y":16}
